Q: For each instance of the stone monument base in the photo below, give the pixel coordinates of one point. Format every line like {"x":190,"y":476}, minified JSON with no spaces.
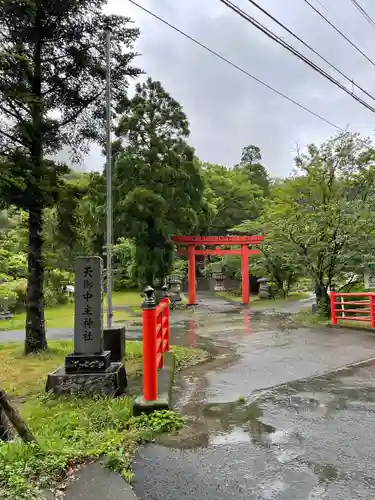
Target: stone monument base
{"x":111,"y":382}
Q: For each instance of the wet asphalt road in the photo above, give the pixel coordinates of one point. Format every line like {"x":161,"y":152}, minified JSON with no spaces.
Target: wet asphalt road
{"x":272,"y":416}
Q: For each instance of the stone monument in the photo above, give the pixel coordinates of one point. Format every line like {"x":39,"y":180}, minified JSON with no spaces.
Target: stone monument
{"x":88,"y":369}
{"x":264,"y":289}
{"x":175,"y":288}
{"x":219,"y":285}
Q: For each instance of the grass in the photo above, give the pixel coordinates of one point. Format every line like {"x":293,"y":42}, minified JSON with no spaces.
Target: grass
{"x":26,"y":375}
{"x":293,"y":296}
{"x":307,"y":318}
{"x":71,"y":430}
{"x":63,"y":316}
{"x":131,"y":298}
{"x":355,"y":324}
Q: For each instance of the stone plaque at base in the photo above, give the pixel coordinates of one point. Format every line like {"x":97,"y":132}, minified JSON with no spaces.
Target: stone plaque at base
{"x":87,"y":362}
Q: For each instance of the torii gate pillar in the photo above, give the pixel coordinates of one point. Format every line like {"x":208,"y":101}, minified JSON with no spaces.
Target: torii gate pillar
{"x":191,"y":276}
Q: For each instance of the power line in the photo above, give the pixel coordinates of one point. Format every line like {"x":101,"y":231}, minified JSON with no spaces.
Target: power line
{"x":320,"y":3}
{"x":360,"y":9}
{"x":340,"y":32}
{"x":295,"y":52}
{"x":310,"y":48}
{"x":216,"y":54}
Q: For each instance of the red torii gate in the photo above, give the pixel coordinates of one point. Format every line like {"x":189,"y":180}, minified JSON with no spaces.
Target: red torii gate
{"x":193,"y":241}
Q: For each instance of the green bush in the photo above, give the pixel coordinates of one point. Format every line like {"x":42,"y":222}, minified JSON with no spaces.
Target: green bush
{"x":13,"y":294}
{"x":157,"y":421}
{"x":125,"y":275}
{"x":14,"y":265}
{"x":54,"y":283}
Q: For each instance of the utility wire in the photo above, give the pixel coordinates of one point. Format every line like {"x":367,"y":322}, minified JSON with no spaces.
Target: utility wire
{"x":359,"y":7}
{"x":295,"y":52}
{"x":216,"y":54}
{"x":310,"y":48}
{"x":340,"y":32}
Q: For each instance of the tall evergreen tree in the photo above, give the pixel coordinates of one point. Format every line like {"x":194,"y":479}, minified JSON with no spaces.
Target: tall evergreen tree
{"x":158,"y":180}
{"x":52,"y":84}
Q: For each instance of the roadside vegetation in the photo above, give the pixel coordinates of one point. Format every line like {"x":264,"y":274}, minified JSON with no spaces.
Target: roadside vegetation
{"x":267,"y":303}
{"x":72,"y":430}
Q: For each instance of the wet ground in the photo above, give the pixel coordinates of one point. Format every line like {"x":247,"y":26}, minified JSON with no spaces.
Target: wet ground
{"x":273,"y":415}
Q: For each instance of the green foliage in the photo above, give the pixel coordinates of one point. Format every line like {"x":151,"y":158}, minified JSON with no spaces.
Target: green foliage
{"x":13,"y":264}
{"x":68,"y":431}
{"x":250,"y":154}
{"x":124,"y":264}
{"x":13,"y":295}
{"x":254,"y":170}
{"x":230,"y":197}
{"x":277,"y":260}
{"x":157,"y":421}
{"x":52,"y":64}
{"x":320,"y":222}
{"x":55,"y":283}
{"x":180,"y":267}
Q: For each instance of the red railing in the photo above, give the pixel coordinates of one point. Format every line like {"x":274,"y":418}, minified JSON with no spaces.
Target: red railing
{"x":353,"y":307}
{"x":155,"y":340}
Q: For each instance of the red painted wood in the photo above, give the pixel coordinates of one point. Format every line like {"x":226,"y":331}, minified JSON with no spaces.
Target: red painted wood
{"x":218,"y":240}
{"x":353,"y":310}
{"x":191,"y":275}
{"x":351,"y":302}
{"x":219,"y":252}
{"x":150,"y":362}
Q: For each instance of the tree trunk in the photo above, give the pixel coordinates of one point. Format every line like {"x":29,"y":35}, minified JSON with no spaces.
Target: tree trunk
{"x":322,"y":298}
{"x":4,"y":428}
{"x":14,"y":417}
{"x":35,"y":326}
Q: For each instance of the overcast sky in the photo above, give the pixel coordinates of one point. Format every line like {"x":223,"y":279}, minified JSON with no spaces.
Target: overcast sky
{"x":226,"y":109}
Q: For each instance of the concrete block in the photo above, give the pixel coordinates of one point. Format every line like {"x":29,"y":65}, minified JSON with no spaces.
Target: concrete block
{"x":165,"y":387}
{"x":114,"y":341}
{"x":141,"y":406}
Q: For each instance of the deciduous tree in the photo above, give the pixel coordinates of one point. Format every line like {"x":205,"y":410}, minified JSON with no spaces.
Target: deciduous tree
{"x":325,"y":214}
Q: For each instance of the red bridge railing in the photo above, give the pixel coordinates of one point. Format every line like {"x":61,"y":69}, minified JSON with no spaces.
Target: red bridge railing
{"x":353,"y":307}
{"x":155,"y":321}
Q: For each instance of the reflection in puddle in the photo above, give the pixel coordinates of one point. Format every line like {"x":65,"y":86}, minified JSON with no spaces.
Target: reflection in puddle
{"x":237,"y":435}
{"x":271,"y":489}
{"x":247,"y":322}
{"x":193,"y":331}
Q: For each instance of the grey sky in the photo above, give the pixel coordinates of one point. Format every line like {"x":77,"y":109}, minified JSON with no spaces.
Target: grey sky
{"x":228,"y":110}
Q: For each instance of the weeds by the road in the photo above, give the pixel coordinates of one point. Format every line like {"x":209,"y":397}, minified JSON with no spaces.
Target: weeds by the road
{"x":71,"y":430}
{"x":257,"y":302}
